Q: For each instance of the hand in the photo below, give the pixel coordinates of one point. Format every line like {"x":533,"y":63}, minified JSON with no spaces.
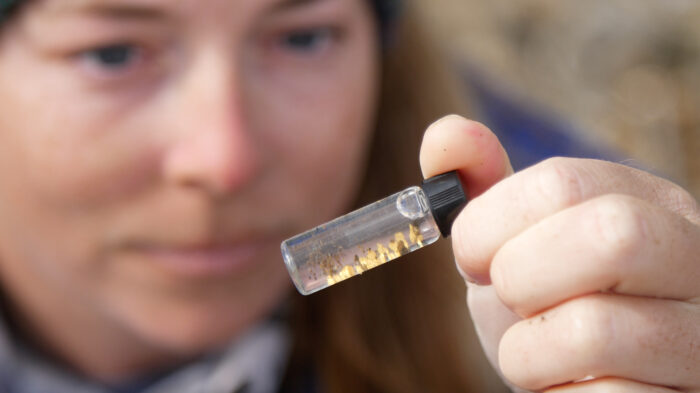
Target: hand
{"x":581,"y":269}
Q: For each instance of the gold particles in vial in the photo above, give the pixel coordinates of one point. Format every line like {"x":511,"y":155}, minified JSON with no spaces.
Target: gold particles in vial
{"x":370,"y":258}
{"x":415,"y":235}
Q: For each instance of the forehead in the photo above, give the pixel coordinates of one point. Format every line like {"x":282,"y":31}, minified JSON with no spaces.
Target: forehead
{"x":175,"y":12}
{"x":63,"y":6}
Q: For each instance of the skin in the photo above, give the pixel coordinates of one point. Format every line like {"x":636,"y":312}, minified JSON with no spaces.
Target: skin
{"x":142,"y":206}
{"x":577,"y":269}
{"x":143,"y":202}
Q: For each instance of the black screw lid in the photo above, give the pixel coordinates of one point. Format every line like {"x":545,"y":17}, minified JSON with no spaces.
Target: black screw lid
{"x":446,"y":197}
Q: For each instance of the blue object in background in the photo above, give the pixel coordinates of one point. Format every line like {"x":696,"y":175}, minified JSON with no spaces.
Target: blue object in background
{"x":529,"y":134}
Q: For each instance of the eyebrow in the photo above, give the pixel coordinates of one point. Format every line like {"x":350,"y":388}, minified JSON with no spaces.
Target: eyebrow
{"x":287,"y":4}
{"x":116,"y":10}
{"x":138,"y":11}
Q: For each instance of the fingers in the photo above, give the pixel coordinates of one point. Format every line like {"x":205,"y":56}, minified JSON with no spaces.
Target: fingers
{"x":552,"y":238}
{"x":455,"y":143}
{"x":612,"y":243}
{"x":609,"y":385}
{"x":491,"y":318}
{"x":652,"y":341}
{"x":527,"y":197}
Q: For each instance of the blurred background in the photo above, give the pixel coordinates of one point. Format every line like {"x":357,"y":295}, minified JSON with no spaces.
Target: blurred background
{"x":625,"y":72}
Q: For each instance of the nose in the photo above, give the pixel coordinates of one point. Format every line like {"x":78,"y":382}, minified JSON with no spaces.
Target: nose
{"x":209,"y":146}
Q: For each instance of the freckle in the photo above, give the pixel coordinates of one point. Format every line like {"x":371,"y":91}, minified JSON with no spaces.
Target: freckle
{"x":445,"y":150}
{"x":542,"y":318}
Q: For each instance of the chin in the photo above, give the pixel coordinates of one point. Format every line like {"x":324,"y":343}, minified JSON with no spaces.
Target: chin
{"x":189,"y":326}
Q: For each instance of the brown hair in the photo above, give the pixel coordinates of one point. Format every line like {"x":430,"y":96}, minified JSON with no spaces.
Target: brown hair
{"x":403,"y":327}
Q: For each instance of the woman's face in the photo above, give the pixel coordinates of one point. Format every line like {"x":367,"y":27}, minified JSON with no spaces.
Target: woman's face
{"x":154,"y":153}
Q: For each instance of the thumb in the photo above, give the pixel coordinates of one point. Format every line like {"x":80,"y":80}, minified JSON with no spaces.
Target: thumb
{"x":455,"y":143}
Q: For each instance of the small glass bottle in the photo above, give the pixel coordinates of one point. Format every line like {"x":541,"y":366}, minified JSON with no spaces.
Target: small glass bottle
{"x":375,"y":234}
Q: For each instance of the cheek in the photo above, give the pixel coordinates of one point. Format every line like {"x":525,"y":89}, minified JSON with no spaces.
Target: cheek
{"x":72,"y":166}
{"x":319,"y":155}
{"x":71,"y":149}
{"x":317,"y":134}
{"x":61,"y":168}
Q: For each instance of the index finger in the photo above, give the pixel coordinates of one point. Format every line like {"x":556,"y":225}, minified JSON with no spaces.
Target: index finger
{"x":455,"y":143}
{"x":529,"y":196}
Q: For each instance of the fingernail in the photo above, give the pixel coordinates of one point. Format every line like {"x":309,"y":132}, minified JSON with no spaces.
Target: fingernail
{"x":476,"y":279}
{"x":464,"y":275}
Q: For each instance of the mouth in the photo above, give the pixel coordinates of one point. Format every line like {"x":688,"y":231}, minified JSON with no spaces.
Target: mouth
{"x":203,"y":261}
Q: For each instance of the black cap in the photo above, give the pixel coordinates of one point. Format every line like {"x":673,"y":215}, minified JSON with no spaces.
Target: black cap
{"x":446,"y":197}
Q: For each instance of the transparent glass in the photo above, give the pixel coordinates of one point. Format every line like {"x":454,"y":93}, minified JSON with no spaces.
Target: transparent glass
{"x":359,"y":241}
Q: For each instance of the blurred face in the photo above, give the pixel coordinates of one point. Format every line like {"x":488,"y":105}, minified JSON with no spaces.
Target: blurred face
{"x":154,"y":153}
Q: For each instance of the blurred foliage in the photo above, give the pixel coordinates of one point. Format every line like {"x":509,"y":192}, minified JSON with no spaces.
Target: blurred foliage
{"x":625,"y":71}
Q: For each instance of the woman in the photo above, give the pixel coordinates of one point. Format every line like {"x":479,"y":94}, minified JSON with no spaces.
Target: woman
{"x":178,"y":143}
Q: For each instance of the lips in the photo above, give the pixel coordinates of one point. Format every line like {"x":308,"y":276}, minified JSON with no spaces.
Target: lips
{"x":203,"y":261}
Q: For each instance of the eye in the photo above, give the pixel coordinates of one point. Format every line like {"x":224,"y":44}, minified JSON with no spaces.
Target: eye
{"x":112,"y":58}
{"x":309,"y":40}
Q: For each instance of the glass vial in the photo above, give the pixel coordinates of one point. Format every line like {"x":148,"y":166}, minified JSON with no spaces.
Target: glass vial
{"x":373,"y":235}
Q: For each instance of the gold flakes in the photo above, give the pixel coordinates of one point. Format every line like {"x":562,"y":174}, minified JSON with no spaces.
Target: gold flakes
{"x":399,"y":237}
{"x":398,"y":245}
{"x":369,"y":258}
{"x":345,"y":273}
{"x":415,"y":235}
{"x":383,"y":253}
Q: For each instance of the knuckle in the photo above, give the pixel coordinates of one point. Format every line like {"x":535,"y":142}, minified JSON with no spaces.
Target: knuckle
{"x":504,"y":283}
{"x":460,"y":240}
{"x":511,"y":359}
{"x":619,"y":227}
{"x":591,"y":333}
{"x":558,"y":181}
{"x":683,"y":202}
{"x":470,"y":242}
